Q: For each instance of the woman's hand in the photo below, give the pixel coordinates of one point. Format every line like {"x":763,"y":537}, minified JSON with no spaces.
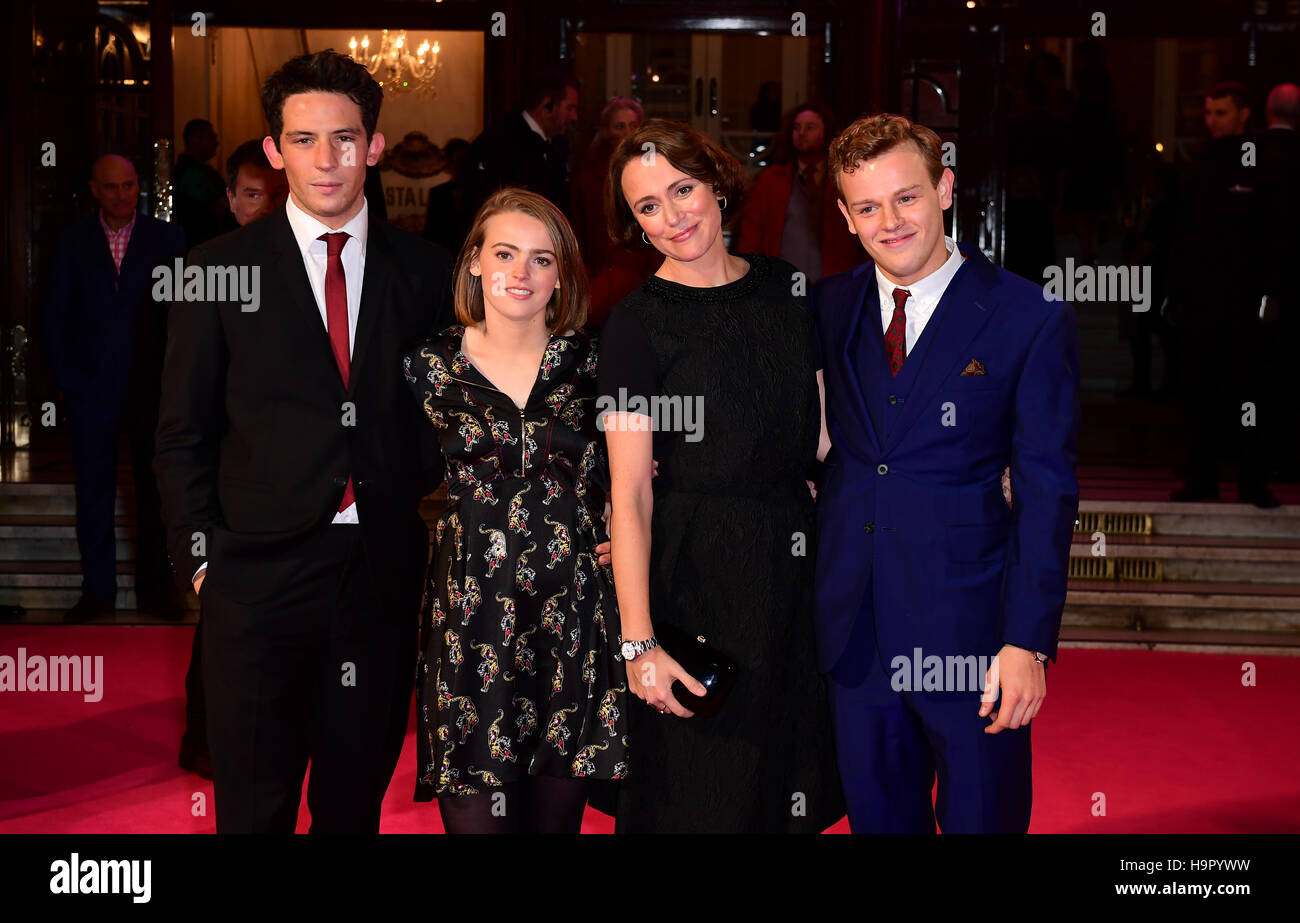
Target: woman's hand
{"x":651,"y":677}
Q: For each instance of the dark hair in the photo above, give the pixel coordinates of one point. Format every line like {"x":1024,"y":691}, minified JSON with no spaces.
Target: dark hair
{"x":693,"y":153}
{"x":549,"y":84}
{"x":326,"y":72}
{"x":1240,"y":95}
{"x":782,"y":145}
{"x":193,"y":127}
{"x":568,"y":304}
{"x":249,"y":153}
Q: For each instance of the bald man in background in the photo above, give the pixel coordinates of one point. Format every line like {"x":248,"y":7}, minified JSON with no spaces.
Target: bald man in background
{"x":104,"y":338}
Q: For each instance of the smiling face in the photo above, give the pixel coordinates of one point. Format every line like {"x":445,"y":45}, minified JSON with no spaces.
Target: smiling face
{"x":324,"y":155}
{"x":678,"y":213}
{"x":518,"y":267}
{"x":896,"y":211}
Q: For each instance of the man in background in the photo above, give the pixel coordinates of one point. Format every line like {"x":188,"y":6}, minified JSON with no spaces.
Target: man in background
{"x":200,"y":199}
{"x":104,"y":338}
{"x":527,"y":146}
{"x":1215,"y":290}
{"x":253,"y":187}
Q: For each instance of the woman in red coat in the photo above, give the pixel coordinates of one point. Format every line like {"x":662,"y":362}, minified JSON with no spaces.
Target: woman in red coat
{"x":614,"y":271}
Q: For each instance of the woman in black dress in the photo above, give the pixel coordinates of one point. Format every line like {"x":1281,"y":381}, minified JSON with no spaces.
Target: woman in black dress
{"x":722,"y":544}
{"x":521,"y":691}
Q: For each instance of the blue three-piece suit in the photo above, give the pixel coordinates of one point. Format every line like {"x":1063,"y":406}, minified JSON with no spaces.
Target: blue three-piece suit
{"x":919,"y":555}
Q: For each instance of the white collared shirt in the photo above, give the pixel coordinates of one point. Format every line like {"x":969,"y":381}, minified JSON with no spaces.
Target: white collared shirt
{"x":926,"y":294}
{"x":315,"y":257}
{"x":532,"y":123}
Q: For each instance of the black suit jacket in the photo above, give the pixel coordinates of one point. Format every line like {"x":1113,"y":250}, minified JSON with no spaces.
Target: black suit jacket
{"x":510,"y":153}
{"x":257,"y":435}
{"x":99,"y":338}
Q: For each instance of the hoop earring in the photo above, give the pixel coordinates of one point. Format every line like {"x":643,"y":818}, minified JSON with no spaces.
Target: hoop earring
{"x":643,"y":237}
{"x":723,"y":206}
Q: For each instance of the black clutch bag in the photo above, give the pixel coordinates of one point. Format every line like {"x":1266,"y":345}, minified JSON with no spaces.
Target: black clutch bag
{"x":714,"y":669}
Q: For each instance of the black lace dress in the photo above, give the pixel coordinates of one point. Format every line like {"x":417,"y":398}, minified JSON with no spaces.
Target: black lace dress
{"x":519,"y":671}
{"x":732,"y":551}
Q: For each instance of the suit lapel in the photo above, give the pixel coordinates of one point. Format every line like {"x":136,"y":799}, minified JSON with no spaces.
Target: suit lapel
{"x":865,"y":303}
{"x":303,"y":313}
{"x":374,"y":290}
{"x":962,"y":312}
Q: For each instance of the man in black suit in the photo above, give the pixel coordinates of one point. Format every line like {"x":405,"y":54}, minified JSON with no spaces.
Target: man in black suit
{"x":1215,"y":292}
{"x":527,"y":146}
{"x":200,"y":202}
{"x":1279,"y":167}
{"x":292,"y":461}
{"x":104,"y":338}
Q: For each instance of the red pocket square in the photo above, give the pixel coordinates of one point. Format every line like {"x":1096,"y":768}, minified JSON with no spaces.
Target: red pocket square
{"x":975,"y":367}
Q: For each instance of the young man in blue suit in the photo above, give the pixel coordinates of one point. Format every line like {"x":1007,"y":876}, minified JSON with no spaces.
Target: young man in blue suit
{"x":934,"y":597}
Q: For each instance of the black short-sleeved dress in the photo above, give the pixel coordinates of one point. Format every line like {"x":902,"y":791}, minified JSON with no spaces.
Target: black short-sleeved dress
{"x":519,"y":672}
{"x":732,"y":550}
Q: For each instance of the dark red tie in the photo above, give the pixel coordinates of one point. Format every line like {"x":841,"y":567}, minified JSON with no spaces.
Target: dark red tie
{"x":336,"y":318}
{"x":896,"y":335}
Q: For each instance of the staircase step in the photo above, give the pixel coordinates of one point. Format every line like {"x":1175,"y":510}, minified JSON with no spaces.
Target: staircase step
{"x":1274,"y":643}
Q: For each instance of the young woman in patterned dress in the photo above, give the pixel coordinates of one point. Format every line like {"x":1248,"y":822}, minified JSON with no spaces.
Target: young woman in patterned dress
{"x":521,"y":690}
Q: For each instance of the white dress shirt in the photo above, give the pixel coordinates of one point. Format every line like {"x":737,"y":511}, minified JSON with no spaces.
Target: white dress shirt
{"x":315,"y":257}
{"x":532,"y":123}
{"x":925,"y":295}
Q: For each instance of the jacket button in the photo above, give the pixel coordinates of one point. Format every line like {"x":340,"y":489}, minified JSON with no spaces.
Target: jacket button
{"x":340,"y":482}
{"x":882,"y":469}
{"x":893,"y":398}
{"x":870,"y":527}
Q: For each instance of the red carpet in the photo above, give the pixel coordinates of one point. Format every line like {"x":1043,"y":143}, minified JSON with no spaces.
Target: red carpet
{"x":1174,"y":742}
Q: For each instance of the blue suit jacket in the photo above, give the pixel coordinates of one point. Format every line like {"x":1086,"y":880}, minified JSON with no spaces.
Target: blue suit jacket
{"x":912,"y":525}
{"x":95,"y":331}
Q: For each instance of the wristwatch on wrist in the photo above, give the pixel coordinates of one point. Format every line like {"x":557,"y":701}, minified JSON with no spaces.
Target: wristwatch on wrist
{"x":631,"y":650}
{"x":1039,"y":658}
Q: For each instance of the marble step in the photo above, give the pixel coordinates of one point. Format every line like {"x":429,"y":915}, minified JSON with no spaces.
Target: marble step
{"x":1183,"y":605}
{"x":1202,"y":519}
{"x":1270,"y":643}
{"x":39,"y":499}
{"x":1203,"y":559}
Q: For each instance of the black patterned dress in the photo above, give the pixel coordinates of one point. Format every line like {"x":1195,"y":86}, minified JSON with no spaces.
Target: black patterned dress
{"x":519,"y":671}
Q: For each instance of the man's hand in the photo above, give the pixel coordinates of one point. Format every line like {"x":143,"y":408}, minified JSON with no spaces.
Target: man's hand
{"x":198,"y":581}
{"x":1023,"y":681}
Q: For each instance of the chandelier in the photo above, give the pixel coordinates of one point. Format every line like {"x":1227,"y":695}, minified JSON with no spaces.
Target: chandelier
{"x":396,"y":67}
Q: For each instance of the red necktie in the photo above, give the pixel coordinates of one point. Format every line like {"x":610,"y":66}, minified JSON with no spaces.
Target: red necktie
{"x":336,"y":319}
{"x":896,"y":335}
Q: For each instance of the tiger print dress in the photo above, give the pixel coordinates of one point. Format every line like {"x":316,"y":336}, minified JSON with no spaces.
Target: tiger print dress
{"x":519,"y":671}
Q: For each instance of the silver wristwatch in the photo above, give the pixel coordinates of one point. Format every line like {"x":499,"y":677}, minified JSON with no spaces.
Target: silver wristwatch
{"x":631,"y":650}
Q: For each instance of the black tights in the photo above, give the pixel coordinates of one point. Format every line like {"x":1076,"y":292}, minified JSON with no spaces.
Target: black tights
{"x":538,"y":804}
